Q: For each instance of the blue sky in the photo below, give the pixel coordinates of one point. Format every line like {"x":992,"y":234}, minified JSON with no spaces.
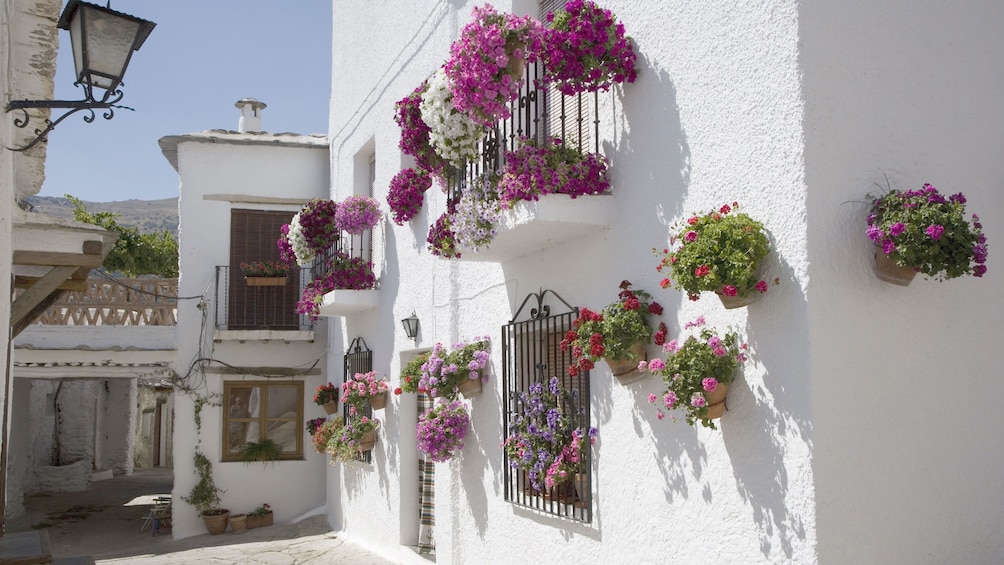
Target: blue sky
{"x":203,"y":56}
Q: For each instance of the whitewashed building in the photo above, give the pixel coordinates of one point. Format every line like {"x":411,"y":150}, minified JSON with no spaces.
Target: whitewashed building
{"x":862,"y":430}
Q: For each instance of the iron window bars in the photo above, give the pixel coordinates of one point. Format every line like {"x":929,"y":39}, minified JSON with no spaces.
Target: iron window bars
{"x":358,"y":359}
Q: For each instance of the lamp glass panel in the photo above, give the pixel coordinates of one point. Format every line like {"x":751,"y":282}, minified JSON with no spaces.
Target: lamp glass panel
{"x":110,"y":40}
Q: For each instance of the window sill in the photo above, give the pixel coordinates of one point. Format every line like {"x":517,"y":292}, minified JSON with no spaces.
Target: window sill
{"x":555,"y":219}
{"x":342,"y":302}
{"x":263,"y":335}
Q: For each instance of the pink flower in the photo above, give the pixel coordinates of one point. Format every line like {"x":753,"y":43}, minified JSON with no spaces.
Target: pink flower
{"x":720,"y":351}
{"x":725,"y":209}
{"x":698,"y":322}
{"x":659,"y":414}
{"x":664,"y":283}
{"x":729,"y":290}
{"x":702,"y":271}
{"x":642,"y":366}
{"x":935,"y":231}
{"x":656,"y":365}
{"x":709,"y":384}
{"x":670,"y":347}
{"x":691,"y":236}
{"x":693,"y":220}
{"x":698,"y":400}
{"x":651,"y":398}
{"x":669,"y":399}
{"x":761,"y":286}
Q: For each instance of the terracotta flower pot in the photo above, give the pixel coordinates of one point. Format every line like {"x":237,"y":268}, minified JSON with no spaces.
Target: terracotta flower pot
{"x":626,"y":370}
{"x":716,"y":401}
{"x":368,"y":441}
{"x":238,"y":523}
{"x":887,"y":270}
{"x":265,"y":281}
{"x":730,"y":302}
{"x":470,"y":387}
{"x":260,"y":521}
{"x":379,"y":401}
{"x":331,"y":407}
{"x":216,"y":523}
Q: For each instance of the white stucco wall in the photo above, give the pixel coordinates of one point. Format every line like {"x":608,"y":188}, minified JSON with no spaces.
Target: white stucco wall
{"x":907,"y":437}
{"x":255,"y":166}
{"x":715,"y":116}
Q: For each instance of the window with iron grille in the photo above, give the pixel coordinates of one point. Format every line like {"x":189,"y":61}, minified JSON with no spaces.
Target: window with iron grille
{"x":358,"y":359}
{"x":253,"y":235}
{"x":532,"y":360}
{"x":258,"y":410}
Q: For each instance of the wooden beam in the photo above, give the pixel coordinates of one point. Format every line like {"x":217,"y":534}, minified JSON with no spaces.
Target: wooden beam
{"x":263,"y":371}
{"x":57,"y":258}
{"x":30,"y":299}
{"x":21,"y":281}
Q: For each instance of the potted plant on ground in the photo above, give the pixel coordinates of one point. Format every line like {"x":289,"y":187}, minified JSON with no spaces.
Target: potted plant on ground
{"x":326,"y":396}
{"x":585,"y":49}
{"x":364,"y":388}
{"x":618,"y":334}
{"x":539,"y":433}
{"x":238,"y":523}
{"x":486,"y":63}
{"x":922,"y":231}
{"x":265,"y":273}
{"x":205,"y":496}
{"x":720,"y":252}
{"x":441,"y":430}
{"x":350,"y":441}
{"x":260,"y":517}
{"x":698,"y":373}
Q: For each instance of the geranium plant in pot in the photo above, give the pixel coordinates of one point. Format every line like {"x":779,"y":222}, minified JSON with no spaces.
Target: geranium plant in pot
{"x":324,"y":432}
{"x":265,"y":273}
{"x":461,"y":369}
{"x":922,"y":231}
{"x":441,"y":430}
{"x":411,"y":374}
{"x":326,"y":396}
{"x":313,"y":424}
{"x":698,"y":373}
{"x":486,"y":62}
{"x":551,"y":167}
{"x":721,"y":252}
{"x":364,"y":388}
{"x":540,"y":431}
{"x":350,"y":441}
{"x":619,"y":333}
{"x":260,"y":517}
{"x":585,"y":49}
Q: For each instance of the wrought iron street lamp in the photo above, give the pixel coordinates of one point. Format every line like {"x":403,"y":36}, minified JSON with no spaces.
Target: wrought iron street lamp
{"x":103,"y":41}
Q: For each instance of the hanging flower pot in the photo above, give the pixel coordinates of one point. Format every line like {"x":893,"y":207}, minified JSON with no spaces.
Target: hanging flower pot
{"x":887,"y":270}
{"x":470,"y":387}
{"x":730,"y":302}
{"x":265,"y":281}
{"x":626,"y":370}
{"x":379,"y":401}
{"x":368,"y":441}
{"x":330,"y":407}
{"x":716,"y":401}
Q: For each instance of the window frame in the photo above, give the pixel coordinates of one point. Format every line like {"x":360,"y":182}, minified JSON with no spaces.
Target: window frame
{"x":262,"y":419}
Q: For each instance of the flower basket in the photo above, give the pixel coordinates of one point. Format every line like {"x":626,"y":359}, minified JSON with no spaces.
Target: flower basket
{"x":330,"y":407}
{"x":443,"y":373}
{"x":368,"y":441}
{"x":265,"y":281}
{"x":441,"y":430}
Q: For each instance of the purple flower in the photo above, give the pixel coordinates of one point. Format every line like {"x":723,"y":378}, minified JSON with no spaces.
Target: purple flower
{"x":875,"y":233}
{"x":935,"y":231}
{"x":958,"y":198}
{"x":979,"y":270}
{"x":897,"y":229}
{"x":980,"y":253}
{"x":888,"y":246}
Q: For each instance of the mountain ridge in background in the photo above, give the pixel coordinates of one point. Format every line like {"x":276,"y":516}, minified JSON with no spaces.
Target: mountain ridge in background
{"x":147,"y":216}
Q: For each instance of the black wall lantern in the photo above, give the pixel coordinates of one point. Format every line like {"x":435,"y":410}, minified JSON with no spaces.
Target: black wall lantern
{"x":103,"y":41}
{"x":410,"y":326}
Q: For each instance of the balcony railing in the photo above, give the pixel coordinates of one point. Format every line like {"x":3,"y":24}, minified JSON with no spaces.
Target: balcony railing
{"x":243,"y":307}
{"x":125,"y":302}
{"x":355,"y":246}
{"x":538,"y":113}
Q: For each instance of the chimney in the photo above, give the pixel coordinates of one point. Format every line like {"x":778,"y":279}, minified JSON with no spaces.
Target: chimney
{"x":250,"y":115}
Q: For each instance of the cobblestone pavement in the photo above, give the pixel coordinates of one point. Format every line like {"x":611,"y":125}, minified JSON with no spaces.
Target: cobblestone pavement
{"x":103,"y":522}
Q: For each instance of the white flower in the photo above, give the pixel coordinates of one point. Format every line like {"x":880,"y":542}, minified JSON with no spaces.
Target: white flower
{"x":477,"y":214}
{"x":304,"y":254}
{"x":454,"y":136}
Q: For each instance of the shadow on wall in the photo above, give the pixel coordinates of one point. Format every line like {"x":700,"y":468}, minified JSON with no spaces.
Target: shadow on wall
{"x":773,"y":414}
{"x":488,"y":455}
